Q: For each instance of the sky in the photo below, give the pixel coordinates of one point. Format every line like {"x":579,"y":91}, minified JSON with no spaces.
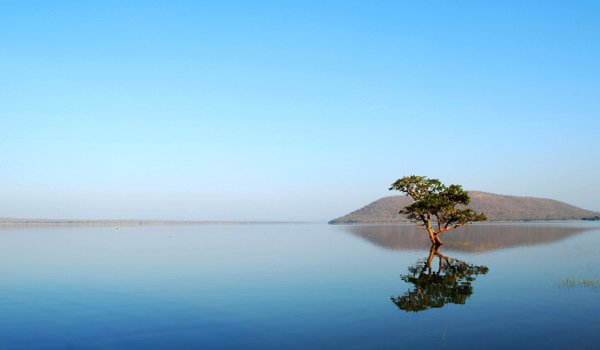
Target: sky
{"x":297,"y":110}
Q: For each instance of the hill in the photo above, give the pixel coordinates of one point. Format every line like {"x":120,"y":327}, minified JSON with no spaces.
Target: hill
{"x":496,"y":207}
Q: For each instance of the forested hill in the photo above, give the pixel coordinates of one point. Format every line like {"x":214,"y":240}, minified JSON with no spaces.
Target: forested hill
{"x":496,"y":207}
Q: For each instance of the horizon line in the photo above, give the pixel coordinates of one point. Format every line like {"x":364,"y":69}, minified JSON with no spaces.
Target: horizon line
{"x":140,"y":222}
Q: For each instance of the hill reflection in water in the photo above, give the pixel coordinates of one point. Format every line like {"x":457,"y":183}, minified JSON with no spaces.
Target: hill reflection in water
{"x":473,"y":238}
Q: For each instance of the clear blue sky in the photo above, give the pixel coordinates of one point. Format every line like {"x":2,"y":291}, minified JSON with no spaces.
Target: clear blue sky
{"x":291,"y":110}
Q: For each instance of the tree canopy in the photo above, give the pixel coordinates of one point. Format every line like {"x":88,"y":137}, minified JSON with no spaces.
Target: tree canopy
{"x":439,"y":208}
{"x":450,"y":284}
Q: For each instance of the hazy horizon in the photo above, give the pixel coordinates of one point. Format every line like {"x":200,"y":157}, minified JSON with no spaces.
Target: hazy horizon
{"x":291,"y":111}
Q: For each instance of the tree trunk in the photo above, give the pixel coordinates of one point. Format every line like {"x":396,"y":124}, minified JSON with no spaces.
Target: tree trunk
{"x":432,"y":252}
{"x":437,"y":241}
{"x":432,"y":236}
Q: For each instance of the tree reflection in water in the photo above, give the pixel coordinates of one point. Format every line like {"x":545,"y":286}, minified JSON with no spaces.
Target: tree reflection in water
{"x":450,"y":283}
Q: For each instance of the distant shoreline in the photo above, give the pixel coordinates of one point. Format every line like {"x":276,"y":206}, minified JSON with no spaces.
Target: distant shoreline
{"x":117,"y":223}
{"x":64,"y":222}
{"x":487,"y":222}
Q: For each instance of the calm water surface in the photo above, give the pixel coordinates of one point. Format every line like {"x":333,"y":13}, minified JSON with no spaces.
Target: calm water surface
{"x":300,"y":286}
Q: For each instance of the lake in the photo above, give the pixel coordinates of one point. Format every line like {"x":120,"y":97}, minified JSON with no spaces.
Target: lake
{"x":280,"y":286}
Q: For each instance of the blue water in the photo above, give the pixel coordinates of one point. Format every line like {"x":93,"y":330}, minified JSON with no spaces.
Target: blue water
{"x":293,"y":287}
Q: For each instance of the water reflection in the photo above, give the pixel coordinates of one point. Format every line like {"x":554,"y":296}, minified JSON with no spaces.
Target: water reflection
{"x":473,"y":238}
{"x":434,"y":287}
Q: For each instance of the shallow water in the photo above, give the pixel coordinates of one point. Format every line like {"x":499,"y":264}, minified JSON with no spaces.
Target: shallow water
{"x":299,"y":286}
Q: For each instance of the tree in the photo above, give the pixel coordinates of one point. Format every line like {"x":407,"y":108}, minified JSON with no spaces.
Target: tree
{"x":439,"y":208}
{"x":450,"y":284}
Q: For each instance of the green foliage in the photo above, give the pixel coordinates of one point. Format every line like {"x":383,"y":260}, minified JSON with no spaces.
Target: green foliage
{"x":450,"y":285}
{"x":436,"y":203}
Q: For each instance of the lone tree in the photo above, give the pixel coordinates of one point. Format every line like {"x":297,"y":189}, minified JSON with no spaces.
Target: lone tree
{"x":439,"y":208}
{"x":450,"y":284}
